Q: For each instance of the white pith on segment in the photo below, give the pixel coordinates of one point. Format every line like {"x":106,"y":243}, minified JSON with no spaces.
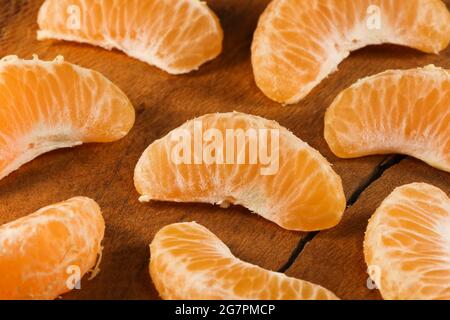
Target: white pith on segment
{"x":46,"y":105}
{"x":396,"y":111}
{"x":408,"y":242}
{"x":73,"y":233}
{"x":206,"y":269}
{"x":304,"y":192}
{"x":298,"y":43}
{"x":158,"y":32}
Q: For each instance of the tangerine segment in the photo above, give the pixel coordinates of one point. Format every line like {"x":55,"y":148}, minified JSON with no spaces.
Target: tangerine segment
{"x":407,"y":244}
{"x":294,"y":186}
{"x":43,"y":254}
{"x":188,"y":262}
{"x":174,"y":35}
{"x":405,"y":112}
{"x":50,"y":105}
{"x":299,"y":43}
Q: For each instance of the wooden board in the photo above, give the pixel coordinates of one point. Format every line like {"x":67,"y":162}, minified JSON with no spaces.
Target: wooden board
{"x":334,"y":258}
{"x":163,"y":102}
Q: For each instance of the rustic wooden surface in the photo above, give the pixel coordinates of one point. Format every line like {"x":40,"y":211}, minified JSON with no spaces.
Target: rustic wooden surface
{"x":335,"y":257}
{"x":163,"y":102}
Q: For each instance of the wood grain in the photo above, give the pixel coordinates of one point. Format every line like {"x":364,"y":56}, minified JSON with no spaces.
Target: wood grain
{"x":334,"y":258}
{"x":163,"y":102}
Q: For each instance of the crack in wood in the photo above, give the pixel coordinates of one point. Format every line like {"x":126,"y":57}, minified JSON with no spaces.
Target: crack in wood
{"x":298,"y":249}
{"x":377,"y":173}
{"x":387,"y":163}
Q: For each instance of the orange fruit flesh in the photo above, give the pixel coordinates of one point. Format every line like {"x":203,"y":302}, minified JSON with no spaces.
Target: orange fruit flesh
{"x":405,"y":112}
{"x":175,"y":35}
{"x":303,"y":194}
{"x":408,"y":241}
{"x":299,"y":43}
{"x":50,"y":105}
{"x":188,"y":262}
{"x":39,"y":252}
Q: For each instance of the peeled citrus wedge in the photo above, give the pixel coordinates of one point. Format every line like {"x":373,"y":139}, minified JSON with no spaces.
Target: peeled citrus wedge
{"x":176,"y":36}
{"x":405,"y":112}
{"x":297,"y":43}
{"x":46,"y":253}
{"x":50,"y":105}
{"x":235,"y":158}
{"x":407,"y":244}
{"x":188,"y":262}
